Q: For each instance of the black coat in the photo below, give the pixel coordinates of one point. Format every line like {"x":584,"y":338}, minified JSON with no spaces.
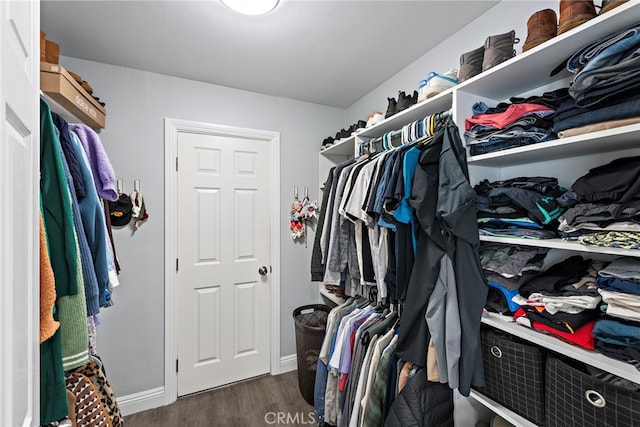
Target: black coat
{"x":422,"y":403}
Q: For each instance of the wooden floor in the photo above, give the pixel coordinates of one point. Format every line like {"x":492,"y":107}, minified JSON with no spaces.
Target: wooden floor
{"x":263,"y":401}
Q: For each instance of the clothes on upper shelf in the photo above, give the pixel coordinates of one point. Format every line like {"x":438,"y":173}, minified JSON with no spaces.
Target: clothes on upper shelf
{"x":603,"y":206}
{"x":522,"y":121}
{"x":522,"y":207}
{"x":79,"y":255}
{"x":606,"y":84}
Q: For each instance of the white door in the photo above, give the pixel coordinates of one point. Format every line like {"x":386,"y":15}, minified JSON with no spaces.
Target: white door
{"x":223,"y":239}
{"x":19,"y":279}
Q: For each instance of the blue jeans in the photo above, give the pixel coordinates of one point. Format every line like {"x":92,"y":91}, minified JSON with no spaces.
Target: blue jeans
{"x":498,"y":144}
{"x":608,"y":82}
{"x":618,"y":285}
{"x":319,"y":389}
{"x":605,"y":51}
{"x":617,"y":333}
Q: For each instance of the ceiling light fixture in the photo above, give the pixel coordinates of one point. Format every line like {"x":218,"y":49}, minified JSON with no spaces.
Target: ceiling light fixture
{"x":251,"y":7}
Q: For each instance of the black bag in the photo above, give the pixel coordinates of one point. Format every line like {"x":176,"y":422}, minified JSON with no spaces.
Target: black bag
{"x":120,"y":210}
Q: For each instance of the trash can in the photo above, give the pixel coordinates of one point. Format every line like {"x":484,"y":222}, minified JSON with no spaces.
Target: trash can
{"x":311,"y":324}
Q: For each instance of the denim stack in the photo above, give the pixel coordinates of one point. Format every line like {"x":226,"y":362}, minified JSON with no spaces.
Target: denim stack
{"x":617,"y":334}
{"x":605,"y":92}
{"x":524,"y":207}
{"x":522,"y":121}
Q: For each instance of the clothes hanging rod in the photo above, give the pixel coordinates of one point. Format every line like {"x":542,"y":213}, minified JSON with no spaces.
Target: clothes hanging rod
{"x":438,"y":116}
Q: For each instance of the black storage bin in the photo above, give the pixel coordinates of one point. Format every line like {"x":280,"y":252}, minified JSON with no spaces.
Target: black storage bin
{"x":311,"y":324}
{"x":575,"y":398}
{"x":514,"y":374}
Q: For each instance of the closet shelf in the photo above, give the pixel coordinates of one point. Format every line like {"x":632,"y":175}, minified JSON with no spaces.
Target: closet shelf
{"x":534,"y":66}
{"x":621,"y":138}
{"x":593,"y":358}
{"x":497,"y":408}
{"x":438,"y":103}
{"x":333,"y":298}
{"x":342,"y":148}
{"x":419,"y":111}
{"x":561,"y":244}
{"x":69,"y":96}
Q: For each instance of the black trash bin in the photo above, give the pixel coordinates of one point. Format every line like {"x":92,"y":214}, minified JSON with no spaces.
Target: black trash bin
{"x":311,"y":324}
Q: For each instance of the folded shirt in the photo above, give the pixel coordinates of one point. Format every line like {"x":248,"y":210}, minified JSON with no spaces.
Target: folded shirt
{"x":582,"y":337}
{"x":573,"y":304}
{"x":621,"y":305}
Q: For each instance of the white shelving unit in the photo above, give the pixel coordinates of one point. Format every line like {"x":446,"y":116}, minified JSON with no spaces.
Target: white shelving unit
{"x":331,"y":156}
{"x":332,"y":298}
{"x":505,"y":413}
{"x":566,"y":159}
{"x":344,"y":147}
{"x":561,"y":244}
{"x":604,"y":141}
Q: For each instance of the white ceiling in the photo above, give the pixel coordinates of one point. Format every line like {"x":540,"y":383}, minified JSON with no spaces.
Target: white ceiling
{"x":324,"y":51}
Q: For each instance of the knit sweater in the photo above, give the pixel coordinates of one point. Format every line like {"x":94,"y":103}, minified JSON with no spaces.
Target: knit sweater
{"x":74,"y":335}
{"x":101,"y":168}
{"x":48,"y":325}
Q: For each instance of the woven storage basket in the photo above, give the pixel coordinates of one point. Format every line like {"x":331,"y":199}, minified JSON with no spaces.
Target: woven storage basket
{"x":575,"y":398}
{"x":310,"y":323}
{"x":513,"y":373}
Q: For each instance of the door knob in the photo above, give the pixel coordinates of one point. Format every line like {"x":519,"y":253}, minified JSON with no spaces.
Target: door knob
{"x":263,"y":270}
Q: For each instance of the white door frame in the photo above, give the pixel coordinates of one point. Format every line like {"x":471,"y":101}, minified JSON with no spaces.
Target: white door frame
{"x":171,"y":129}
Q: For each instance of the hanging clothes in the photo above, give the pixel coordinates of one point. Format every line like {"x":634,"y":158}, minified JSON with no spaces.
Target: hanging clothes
{"x":445,"y":208}
{"x":94,"y":223}
{"x":76,"y":258}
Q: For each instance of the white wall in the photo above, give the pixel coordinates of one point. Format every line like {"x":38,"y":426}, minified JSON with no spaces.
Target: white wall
{"x":505,"y":16}
{"x":131,"y":336}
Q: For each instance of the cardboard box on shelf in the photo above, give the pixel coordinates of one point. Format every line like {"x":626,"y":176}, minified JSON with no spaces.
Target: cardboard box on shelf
{"x":57,"y":83}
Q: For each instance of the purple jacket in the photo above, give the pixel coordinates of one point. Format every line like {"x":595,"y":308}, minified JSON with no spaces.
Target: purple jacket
{"x":103,"y":173}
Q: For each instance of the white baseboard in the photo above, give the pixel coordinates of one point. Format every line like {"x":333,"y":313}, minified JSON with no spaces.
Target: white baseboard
{"x":154,"y":398}
{"x":141,"y":401}
{"x":288,"y":363}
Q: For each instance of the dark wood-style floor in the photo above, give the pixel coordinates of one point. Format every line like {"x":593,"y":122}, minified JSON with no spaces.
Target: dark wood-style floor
{"x":263,"y":401}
